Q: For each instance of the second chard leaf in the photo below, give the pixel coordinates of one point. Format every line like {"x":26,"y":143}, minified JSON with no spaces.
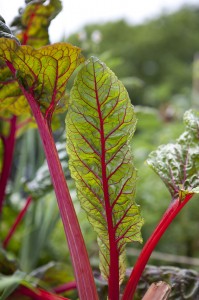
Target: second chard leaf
{"x":100,"y":124}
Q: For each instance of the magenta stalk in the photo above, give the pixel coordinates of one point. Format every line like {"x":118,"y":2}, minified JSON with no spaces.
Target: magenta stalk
{"x":16,"y":223}
{"x":172,"y":211}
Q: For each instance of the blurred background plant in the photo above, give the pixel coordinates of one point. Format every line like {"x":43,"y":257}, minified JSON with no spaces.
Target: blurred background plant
{"x":158,"y":63}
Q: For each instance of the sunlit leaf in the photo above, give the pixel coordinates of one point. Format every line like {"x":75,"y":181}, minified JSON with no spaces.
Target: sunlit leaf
{"x":100,"y":124}
{"x":43,"y":72}
{"x":178,"y":163}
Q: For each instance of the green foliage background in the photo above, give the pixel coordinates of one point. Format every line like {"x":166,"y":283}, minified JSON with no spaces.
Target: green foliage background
{"x":159,"y":52}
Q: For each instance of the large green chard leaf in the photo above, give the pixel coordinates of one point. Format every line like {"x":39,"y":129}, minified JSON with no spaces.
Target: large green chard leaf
{"x":43,"y":72}
{"x":178,"y":163}
{"x":100,"y":124}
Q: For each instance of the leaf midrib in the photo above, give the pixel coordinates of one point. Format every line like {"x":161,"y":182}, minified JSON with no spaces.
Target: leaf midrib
{"x":114,"y":254}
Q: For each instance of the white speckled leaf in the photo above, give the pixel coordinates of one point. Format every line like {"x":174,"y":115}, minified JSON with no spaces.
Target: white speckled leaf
{"x":178,"y":163}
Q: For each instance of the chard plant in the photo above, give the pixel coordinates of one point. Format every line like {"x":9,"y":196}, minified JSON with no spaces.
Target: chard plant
{"x":100,"y":123}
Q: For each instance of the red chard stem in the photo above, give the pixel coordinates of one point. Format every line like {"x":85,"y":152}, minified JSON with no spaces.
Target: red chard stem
{"x":172,"y":211}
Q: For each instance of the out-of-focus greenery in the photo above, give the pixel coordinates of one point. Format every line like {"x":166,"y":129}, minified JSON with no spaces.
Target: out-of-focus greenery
{"x":159,"y":52}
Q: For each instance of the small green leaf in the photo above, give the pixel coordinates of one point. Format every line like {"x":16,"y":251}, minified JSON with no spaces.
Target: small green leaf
{"x":34,"y":22}
{"x":178,"y":163}
{"x":100,"y":124}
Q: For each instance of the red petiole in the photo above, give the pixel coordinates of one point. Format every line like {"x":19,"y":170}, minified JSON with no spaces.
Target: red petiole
{"x":172,"y":211}
{"x":17,"y":221}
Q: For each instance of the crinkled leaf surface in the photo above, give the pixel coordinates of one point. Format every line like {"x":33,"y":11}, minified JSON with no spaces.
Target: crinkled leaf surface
{"x":35,"y":20}
{"x":178,"y":163}
{"x":43,"y":72}
{"x":100,"y":124}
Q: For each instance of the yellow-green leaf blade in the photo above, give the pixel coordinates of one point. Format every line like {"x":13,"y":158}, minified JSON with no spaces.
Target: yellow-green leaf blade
{"x":100,"y":124}
{"x":35,"y":20}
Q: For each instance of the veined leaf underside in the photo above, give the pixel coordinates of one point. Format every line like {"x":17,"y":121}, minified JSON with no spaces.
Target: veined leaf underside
{"x":100,"y":124}
{"x":43,"y":73}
